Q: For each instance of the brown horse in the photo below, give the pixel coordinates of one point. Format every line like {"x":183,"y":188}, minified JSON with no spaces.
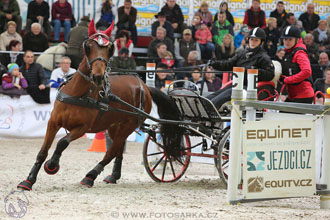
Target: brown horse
{"x":88,"y":103}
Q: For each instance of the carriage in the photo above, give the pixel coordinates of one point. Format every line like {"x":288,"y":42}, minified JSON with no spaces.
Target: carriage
{"x":199,"y":118}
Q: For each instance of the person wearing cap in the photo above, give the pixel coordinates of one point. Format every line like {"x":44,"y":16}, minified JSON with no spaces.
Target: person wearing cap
{"x":38,"y":11}
{"x":14,"y":78}
{"x":252,"y":57}
{"x":10,"y":11}
{"x":108,"y":12}
{"x":162,"y":22}
{"x":255,"y":16}
{"x":296,"y":68}
{"x":204,"y":38}
{"x":322,"y":35}
{"x":221,"y":27}
{"x":240,"y":36}
{"x":272,"y":37}
{"x":279,"y":13}
{"x":205,"y":13}
{"x":174,"y":15}
{"x":309,"y":18}
{"x":123,"y":61}
{"x":9,"y":35}
{"x":183,"y":46}
{"x":76,"y":38}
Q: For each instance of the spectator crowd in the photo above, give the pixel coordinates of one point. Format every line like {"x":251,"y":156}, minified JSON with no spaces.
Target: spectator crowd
{"x":174,"y":43}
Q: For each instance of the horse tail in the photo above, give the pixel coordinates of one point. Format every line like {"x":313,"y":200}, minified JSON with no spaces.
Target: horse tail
{"x":171,"y":134}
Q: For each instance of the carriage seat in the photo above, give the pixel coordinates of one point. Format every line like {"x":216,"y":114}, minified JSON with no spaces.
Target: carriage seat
{"x":194,"y":107}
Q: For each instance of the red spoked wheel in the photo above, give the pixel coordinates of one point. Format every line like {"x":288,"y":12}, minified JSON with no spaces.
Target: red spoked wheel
{"x":160,"y":166}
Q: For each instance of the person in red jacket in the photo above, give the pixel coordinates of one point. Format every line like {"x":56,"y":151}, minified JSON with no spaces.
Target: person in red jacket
{"x":296,"y":68}
{"x":61,"y":17}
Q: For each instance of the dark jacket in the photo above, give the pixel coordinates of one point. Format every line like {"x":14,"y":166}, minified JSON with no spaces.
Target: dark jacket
{"x":184,"y":47}
{"x":152,"y":50}
{"x":256,"y":58}
{"x":223,"y":55}
{"x":309,"y":26}
{"x":65,"y":12}
{"x":35,"y":10}
{"x":123,"y":18}
{"x":167,"y":26}
{"x":6,"y":59}
{"x":255,"y":21}
{"x":325,"y":43}
{"x":77,"y":36}
{"x":13,"y":8}
{"x":35,"y":75}
{"x":280,"y":17}
{"x":229,"y":17}
{"x":319,"y":85}
{"x":160,"y":83}
{"x":35,"y":43}
{"x":313,"y":52}
{"x":173,"y":15}
{"x":128,"y":63}
{"x":272,"y":38}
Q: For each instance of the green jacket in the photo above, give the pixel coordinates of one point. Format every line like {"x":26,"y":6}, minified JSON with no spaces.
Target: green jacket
{"x":12,"y":9}
{"x":129,"y":63}
{"x":218,"y":31}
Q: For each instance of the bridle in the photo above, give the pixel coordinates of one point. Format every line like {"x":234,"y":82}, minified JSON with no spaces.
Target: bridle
{"x":98,"y":37}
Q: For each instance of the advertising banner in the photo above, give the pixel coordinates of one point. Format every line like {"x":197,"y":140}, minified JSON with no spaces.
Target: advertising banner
{"x":22,"y":117}
{"x":278,"y":159}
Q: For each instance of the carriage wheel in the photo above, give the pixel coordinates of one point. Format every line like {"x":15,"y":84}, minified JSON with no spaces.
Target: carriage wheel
{"x":160,"y":166}
{"x":222,"y":162}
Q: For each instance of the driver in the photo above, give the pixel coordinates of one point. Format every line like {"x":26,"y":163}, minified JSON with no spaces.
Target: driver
{"x":252,"y":57}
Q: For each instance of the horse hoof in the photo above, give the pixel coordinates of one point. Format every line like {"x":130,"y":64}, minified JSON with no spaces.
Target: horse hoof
{"x":87,"y":182}
{"x":25,"y":185}
{"x":110,"y":179}
{"x":51,"y":171}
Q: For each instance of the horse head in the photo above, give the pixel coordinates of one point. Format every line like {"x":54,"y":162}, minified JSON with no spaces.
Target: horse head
{"x":98,"y":49}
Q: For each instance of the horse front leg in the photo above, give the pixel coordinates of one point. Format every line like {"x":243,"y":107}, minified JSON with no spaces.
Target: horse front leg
{"x":52,"y":129}
{"x":52,"y":166}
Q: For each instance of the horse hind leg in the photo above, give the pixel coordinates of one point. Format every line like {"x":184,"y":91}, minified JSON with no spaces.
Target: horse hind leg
{"x":52,"y":166}
{"x":116,"y":149}
{"x":41,"y":157}
{"x":116,"y":170}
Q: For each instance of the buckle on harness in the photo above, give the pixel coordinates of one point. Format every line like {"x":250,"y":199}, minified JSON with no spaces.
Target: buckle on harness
{"x":104,"y":106}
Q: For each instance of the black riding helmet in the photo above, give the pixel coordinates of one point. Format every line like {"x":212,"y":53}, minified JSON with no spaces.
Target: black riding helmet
{"x":291,"y":31}
{"x":257,"y":33}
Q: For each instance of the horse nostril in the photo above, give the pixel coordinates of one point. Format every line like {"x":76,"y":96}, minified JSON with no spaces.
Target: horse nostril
{"x":98,"y":79}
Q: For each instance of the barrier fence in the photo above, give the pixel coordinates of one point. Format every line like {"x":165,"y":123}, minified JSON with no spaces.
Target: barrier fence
{"x":280,"y":155}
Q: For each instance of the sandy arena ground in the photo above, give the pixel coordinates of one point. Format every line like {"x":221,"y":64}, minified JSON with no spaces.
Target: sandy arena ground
{"x":197,"y":195}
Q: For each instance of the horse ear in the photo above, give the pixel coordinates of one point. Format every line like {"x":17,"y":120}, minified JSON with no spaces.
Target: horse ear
{"x":109,"y":29}
{"x":91,"y":28}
